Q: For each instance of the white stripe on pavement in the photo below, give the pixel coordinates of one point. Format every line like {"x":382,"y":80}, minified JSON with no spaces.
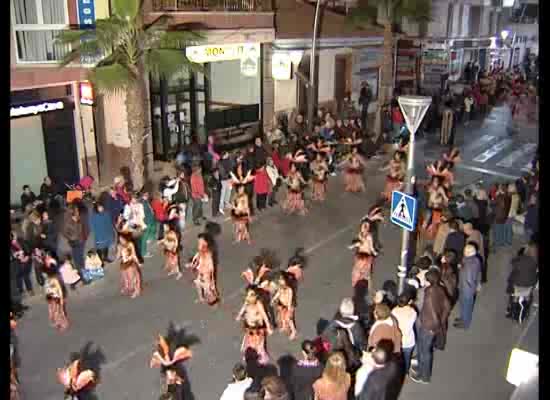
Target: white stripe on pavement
{"x":509,"y":160}
{"x":487,"y":171}
{"x":481,"y":141}
{"x":493,"y":151}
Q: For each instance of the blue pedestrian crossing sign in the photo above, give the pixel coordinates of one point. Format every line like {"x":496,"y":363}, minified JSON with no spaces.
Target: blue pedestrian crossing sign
{"x":403,"y":210}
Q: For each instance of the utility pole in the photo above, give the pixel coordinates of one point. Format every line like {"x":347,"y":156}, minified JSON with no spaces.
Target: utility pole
{"x":312,"y":92}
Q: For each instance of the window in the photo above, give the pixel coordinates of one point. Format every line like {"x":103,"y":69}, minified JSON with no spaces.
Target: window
{"x":36,"y":24}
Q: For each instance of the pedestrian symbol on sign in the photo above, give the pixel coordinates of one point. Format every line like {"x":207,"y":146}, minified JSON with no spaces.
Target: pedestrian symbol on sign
{"x":403,"y":210}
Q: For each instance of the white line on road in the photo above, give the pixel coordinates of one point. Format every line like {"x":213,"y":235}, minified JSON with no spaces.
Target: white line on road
{"x":493,"y":151}
{"x":511,"y":158}
{"x":481,"y":141}
{"x":487,"y":171}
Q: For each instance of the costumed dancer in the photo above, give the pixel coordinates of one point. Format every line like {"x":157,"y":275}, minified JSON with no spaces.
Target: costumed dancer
{"x":295,"y":269}
{"x":353,"y":175}
{"x":257,"y":274}
{"x":130,"y":273}
{"x":295,"y":195}
{"x":55,"y":297}
{"x":75,"y":379}
{"x":442,"y":170}
{"x":319,"y":169}
{"x":256,"y":326}
{"x":14,"y":380}
{"x":365,"y":254}
{"x":396,"y":174}
{"x":169,"y":363}
{"x":284,"y":301}
{"x":374,"y":217}
{"x":437,"y":201}
{"x":241,"y":215}
{"x":204,"y":264}
{"x":170,"y":243}
{"x":452,"y":157}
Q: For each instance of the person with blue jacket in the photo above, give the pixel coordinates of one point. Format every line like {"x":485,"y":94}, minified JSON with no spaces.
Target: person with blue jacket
{"x":469,"y":284}
{"x":102,"y":228}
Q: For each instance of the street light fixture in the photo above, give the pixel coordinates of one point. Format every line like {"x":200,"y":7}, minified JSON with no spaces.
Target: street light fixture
{"x":414,"y":110}
{"x":312,"y":67}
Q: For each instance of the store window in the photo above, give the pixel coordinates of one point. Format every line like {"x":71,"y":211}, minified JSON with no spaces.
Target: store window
{"x":36,"y":24}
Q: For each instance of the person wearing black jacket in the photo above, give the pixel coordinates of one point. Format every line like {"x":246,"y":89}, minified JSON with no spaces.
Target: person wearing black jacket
{"x":305,"y":372}
{"x":455,"y":239}
{"x":347,"y":321}
{"x":386,"y":379}
{"x":47,"y":190}
{"x":215,"y":188}
{"x":27,"y":197}
{"x":225,"y":165}
{"x":23,"y":264}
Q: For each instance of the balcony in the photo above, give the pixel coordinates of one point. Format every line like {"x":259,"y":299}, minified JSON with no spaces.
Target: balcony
{"x":244,"y":15}
{"x":211,"y":5}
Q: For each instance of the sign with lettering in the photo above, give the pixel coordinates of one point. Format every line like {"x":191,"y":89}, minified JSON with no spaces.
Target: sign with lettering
{"x":35,"y":109}
{"x":223,"y":52}
{"x":281,"y":66}
{"x":86,"y":94}
{"x":86,"y":13}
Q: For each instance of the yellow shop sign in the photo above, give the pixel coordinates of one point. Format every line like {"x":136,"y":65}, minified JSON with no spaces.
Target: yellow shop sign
{"x":223,"y":52}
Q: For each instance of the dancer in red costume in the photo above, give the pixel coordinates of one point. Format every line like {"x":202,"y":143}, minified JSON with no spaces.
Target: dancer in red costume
{"x":204,"y":263}
{"x":295,"y":195}
{"x":170,"y":243}
{"x":284,"y":301}
{"x":75,"y":379}
{"x":353,"y":174}
{"x":365,"y":254}
{"x":256,"y":325}
{"x":57,"y":306}
{"x":241,"y":215}
{"x":319,"y":169}
{"x":169,"y":362}
{"x":394,"y":179}
{"x":130,"y":272}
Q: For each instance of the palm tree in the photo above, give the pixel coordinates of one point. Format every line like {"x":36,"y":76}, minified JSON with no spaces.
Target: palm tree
{"x":389,"y":14}
{"x":125,"y":50}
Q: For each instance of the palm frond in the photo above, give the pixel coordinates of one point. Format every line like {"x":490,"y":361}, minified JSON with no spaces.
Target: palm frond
{"x":179,"y":39}
{"x":416,"y":10}
{"x":86,"y":48}
{"x":109,"y":31}
{"x":126,"y":8}
{"x":363,"y":17}
{"x":111,"y":78}
{"x":166,"y":62}
{"x":70,"y":36}
{"x":161,"y":23}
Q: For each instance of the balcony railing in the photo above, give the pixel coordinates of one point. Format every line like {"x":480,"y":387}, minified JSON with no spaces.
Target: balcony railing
{"x":212,"y":5}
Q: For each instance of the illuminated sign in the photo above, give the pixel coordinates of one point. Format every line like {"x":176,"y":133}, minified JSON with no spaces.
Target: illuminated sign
{"x":21,"y":111}
{"x":86,"y":93}
{"x":281,"y":66}
{"x":86,"y":13}
{"x":223,"y":52}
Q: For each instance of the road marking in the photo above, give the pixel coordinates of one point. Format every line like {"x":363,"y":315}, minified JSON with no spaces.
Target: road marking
{"x":509,"y":160}
{"x":482,"y":141}
{"x":487,"y":171}
{"x":493,"y":151}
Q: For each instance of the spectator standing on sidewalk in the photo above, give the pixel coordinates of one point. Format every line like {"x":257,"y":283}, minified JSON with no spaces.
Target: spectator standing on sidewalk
{"x":469,"y":284}
{"x":468,"y":104}
{"x":160,"y":207}
{"x":335,"y":381}
{"x":215,"y":188}
{"x":76,"y":234}
{"x":455,"y":239}
{"x":365,"y":97}
{"x":262,"y":187}
{"x":385,"y":380}
{"x":27,"y":197}
{"x":102,"y":228}
{"x":305,"y":372}
{"x":406,"y":316}
{"x":275,"y":180}
{"x":150,"y":234}
{"x":241,"y":382}
{"x":198,"y":194}
{"x":502,"y":206}
{"x":113,"y":204}
{"x":432,"y":321}
{"x":446,"y":124}
{"x":225,"y":167}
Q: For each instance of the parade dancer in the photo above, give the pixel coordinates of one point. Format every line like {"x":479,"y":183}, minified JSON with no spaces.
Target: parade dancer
{"x":14,"y":380}
{"x":295,"y":268}
{"x":74,"y":379}
{"x":55,"y":297}
{"x":204,"y":264}
{"x":241,"y":215}
{"x":353,"y":175}
{"x":365,"y":254}
{"x":168,"y":362}
{"x":394,"y":179}
{"x":452,"y":157}
{"x":256,"y":326}
{"x":257,"y":274}
{"x":295,"y":195}
{"x":437,"y":201}
{"x":130,"y":273}
{"x":170,"y":243}
{"x":284,"y":301}
{"x":374,"y":217}
{"x":319,"y":169}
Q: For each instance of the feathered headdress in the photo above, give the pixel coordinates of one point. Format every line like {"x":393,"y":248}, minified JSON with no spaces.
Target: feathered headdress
{"x":260,"y":267}
{"x":296,"y":265}
{"x":163,"y":357}
{"x":375,"y":214}
{"x":74,"y":379}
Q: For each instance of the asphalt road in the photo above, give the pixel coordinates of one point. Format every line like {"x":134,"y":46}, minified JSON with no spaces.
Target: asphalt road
{"x":123,"y":330}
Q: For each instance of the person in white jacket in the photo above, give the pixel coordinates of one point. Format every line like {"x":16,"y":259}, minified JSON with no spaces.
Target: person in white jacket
{"x":273,"y":174}
{"x":241,"y":382}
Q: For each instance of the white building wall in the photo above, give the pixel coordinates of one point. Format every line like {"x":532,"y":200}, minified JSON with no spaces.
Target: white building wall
{"x":437,"y":27}
{"x":228,"y":85}
{"x":285,"y":94}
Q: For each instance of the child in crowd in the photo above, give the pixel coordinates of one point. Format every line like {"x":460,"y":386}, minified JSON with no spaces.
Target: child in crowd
{"x":93,"y":267}
{"x":69,"y":274}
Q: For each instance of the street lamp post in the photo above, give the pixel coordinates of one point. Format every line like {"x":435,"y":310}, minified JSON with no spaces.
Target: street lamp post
{"x":312,"y":64}
{"x":414,"y":109}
